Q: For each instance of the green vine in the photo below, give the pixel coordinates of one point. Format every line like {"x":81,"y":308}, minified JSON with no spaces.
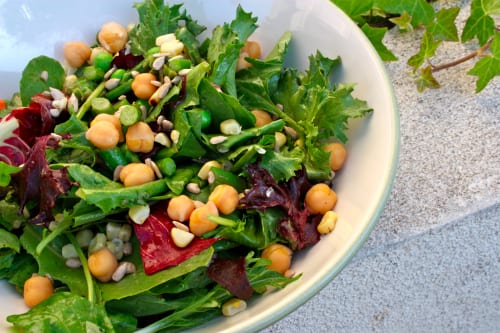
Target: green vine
{"x":376,"y":17}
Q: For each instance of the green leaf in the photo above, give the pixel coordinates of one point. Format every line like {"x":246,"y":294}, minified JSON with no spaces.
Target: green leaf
{"x":376,"y":36}
{"x":421,"y":11}
{"x":443,"y":27}
{"x":140,"y":282}
{"x":491,"y":6}
{"x":50,"y":261}
{"x":428,"y":47}
{"x":9,"y":213}
{"x":224,"y":49}
{"x":155,"y":19}
{"x":488,"y":66}
{"x":64,"y":312}
{"x":479,"y":23}
{"x":31,"y":80}
{"x":403,"y":22}
{"x":282,"y":165}
{"x":354,"y":8}
{"x":9,"y":241}
{"x":426,"y":80}
{"x":6,"y":170}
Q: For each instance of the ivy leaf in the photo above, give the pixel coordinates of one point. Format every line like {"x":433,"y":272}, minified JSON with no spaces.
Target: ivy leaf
{"x":479,"y":23}
{"x":489,"y":66}
{"x":427,"y":50}
{"x":354,"y":8}
{"x":403,"y":22}
{"x":376,"y":35}
{"x":443,"y":27}
{"x":421,"y":11}
{"x":426,"y":80}
{"x":491,"y":6}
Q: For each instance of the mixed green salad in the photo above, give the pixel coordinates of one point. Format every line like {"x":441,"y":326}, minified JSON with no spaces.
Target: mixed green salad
{"x":155,"y":180}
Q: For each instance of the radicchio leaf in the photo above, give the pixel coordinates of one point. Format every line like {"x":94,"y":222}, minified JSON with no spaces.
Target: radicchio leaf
{"x":13,"y":149}
{"x":37,"y":181}
{"x":298,"y":227}
{"x":35,"y":120}
{"x":126,"y":60}
{"x":231,"y":274}
{"x":158,"y":250}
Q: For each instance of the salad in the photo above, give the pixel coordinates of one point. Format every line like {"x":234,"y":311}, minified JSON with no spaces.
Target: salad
{"x":156,"y":179}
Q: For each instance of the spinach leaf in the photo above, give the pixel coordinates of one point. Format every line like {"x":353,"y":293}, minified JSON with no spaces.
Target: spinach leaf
{"x":223,"y":106}
{"x":64,"y":312}
{"x":140,"y":282}
{"x":31,"y":80}
{"x":9,"y":213}
{"x":9,"y":241}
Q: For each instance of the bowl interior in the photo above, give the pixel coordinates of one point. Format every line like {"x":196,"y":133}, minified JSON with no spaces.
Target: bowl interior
{"x":363,"y":186}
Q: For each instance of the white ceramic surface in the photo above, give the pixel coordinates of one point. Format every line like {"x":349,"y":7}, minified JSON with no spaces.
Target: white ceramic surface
{"x":31,"y":27}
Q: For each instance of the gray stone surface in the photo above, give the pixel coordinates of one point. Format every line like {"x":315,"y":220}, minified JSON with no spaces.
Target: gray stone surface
{"x":432,"y":263}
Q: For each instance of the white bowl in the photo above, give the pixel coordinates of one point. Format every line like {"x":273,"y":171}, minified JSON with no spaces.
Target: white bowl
{"x":31,"y":27}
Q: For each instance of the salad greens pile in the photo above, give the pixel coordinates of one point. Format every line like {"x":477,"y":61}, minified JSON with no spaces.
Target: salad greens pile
{"x":54,"y":183}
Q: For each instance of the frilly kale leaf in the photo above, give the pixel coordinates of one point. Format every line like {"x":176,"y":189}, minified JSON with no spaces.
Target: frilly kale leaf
{"x":156,"y":19}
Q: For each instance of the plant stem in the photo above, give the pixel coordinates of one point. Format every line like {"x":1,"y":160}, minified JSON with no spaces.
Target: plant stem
{"x":86,"y":105}
{"x":85,"y":266}
{"x":477,"y":53}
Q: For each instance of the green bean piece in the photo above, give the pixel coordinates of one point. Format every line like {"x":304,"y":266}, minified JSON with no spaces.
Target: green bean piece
{"x":102,"y":105}
{"x":113,"y":157}
{"x":129,"y":115}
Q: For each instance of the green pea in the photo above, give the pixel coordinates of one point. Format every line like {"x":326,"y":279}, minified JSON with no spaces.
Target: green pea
{"x":118,"y":74}
{"x":167,"y":166}
{"x":103,"y":61}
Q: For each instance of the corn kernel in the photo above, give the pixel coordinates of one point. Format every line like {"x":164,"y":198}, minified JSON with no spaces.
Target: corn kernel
{"x":327,"y":223}
{"x":233,"y":306}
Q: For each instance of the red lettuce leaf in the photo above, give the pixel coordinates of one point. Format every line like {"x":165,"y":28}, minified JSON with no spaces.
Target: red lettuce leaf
{"x":230,"y":273}
{"x":158,"y":250}
{"x":298,"y":227}
{"x":35,"y":120}
{"x":13,"y":149}
{"x":126,"y":60}
{"x":37,"y":181}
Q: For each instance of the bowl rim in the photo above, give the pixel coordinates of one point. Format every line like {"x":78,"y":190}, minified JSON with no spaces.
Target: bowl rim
{"x":390,"y":176}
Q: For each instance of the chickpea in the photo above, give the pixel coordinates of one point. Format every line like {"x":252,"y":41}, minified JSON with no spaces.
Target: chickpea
{"x":134,"y":174}
{"x":142,"y":86}
{"x":250,"y":50}
{"x":199,"y":223}
{"x":180,"y":208}
{"x":140,"y":138}
{"x":112,"y":119}
{"x":76,"y":53}
{"x":280,"y":256}
{"x":337,"y":155}
{"x":103,"y":135}
{"x":113,"y":37}
{"x":225,"y":197}
{"x":102,"y":264}
{"x":320,"y":198}
{"x":261,"y":117}
{"x":37,"y":289}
